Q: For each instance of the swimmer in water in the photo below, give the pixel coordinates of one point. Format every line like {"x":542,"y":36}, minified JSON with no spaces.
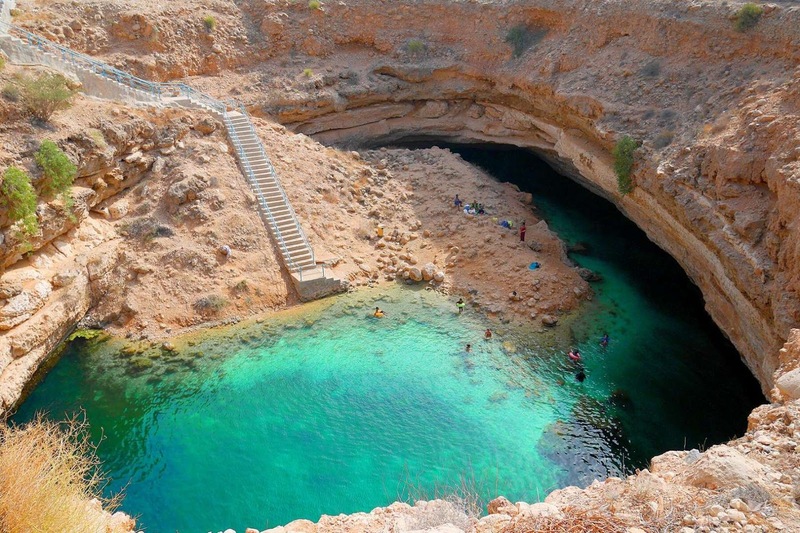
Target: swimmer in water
{"x":488,"y":334}
{"x":468,"y":348}
{"x":378,"y":313}
{"x":574,"y":355}
{"x":604,"y":340}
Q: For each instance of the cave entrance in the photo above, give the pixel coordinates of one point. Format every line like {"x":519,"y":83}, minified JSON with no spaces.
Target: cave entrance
{"x":669,"y":356}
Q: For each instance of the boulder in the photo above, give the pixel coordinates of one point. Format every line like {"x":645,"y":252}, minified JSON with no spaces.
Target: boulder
{"x":589,"y":275}
{"x":206,"y":126}
{"x":498,"y":504}
{"x":62,"y":279}
{"x":415,"y":274}
{"x":22,"y":306}
{"x":438,"y":277}
{"x":301,"y":526}
{"x":428,"y":271}
{"x":541,"y":509}
{"x":789,"y":385}
{"x":185,"y":190}
{"x":494,"y":523}
{"x":118,"y":209}
{"x":549,"y":321}
{"x":722,"y":467}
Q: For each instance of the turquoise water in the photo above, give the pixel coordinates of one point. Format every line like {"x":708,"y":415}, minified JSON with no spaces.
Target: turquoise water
{"x":328,"y":410}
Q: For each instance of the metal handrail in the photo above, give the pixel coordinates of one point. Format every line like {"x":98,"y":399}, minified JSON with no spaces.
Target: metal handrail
{"x":237,"y":144}
{"x":81,"y":60}
{"x":160,"y":90}
{"x":274,"y":176}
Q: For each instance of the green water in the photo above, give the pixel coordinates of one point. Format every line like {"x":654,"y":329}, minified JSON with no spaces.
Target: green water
{"x":331,"y":411}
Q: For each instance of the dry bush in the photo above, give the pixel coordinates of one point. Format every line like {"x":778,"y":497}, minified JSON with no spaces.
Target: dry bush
{"x":332,"y":197}
{"x":48,"y":477}
{"x":573,"y":521}
{"x":365,"y":230}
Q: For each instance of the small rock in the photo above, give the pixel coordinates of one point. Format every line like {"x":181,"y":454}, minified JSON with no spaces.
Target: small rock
{"x":739,"y":505}
{"x":496,"y":504}
{"x":549,"y":321}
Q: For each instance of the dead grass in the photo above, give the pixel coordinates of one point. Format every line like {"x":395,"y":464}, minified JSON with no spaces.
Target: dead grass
{"x":48,"y":478}
{"x":573,"y":521}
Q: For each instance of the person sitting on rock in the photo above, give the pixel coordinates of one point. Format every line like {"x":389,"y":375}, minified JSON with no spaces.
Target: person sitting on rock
{"x":457,"y":201}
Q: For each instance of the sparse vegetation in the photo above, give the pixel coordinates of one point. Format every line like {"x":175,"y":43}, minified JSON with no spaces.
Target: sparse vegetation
{"x":48,"y":476}
{"x":211,"y":304}
{"x":315,"y":4}
{"x":416,"y":46}
{"x":58,"y":172}
{"x":241,"y":287}
{"x":623,"y":163}
{"x":11,"y":92}
{"x":15,"y":12}
{"x":2,"y":62}
{"x":748,"y":16}
{"x":209,"y":22}
{"x":307,"y":72}
{"x":522,"y":37}
{"x":663,"y":139}
{"x":98,"y":137}
{"x":45,"y":94}
{"x":19,"y":198}
{"x":651,"y":69}
{"x":146,"y":229}
{"x":573,"y":520}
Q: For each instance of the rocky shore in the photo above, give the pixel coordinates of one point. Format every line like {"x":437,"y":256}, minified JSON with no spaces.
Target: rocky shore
{"x":158,"y":194}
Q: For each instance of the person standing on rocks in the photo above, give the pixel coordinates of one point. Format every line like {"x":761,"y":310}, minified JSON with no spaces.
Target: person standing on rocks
{"x":460,"y":305}
{"x":457,"y":201}
{"x":522,"y":230}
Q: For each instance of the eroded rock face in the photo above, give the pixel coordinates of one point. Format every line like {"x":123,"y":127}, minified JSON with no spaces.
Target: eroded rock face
{"x":722,"y":201}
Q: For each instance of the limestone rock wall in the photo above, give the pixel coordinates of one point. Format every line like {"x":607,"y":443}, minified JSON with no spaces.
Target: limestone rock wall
{"x":717,"y":111}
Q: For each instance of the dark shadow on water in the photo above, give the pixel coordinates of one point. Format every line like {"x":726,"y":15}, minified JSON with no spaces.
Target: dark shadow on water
{"x":680,"y":359}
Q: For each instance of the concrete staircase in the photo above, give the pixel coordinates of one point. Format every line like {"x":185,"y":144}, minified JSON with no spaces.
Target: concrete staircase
{"x":101,"y":80}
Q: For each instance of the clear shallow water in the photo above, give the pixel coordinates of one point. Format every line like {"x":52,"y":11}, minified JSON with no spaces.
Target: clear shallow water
{"x":327,"y":410}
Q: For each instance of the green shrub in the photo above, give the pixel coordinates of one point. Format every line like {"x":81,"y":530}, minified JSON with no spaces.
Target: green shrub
{"x":315,"y":4}
{"x":58,"y":172}
{"x":209,"y":22}
{"x":2,"y":62}
{"x":522,"y":37}
{"x":19,"y":198}
{"x":748,"y":16}
{"x":623,"y":163}
{"x":416,"y":46}
{"x":11,"y":92}
{"x":45,"y":94}
{"x":308,"y":72}
{"x":98,"y":137}
{"x":15,"y":12}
